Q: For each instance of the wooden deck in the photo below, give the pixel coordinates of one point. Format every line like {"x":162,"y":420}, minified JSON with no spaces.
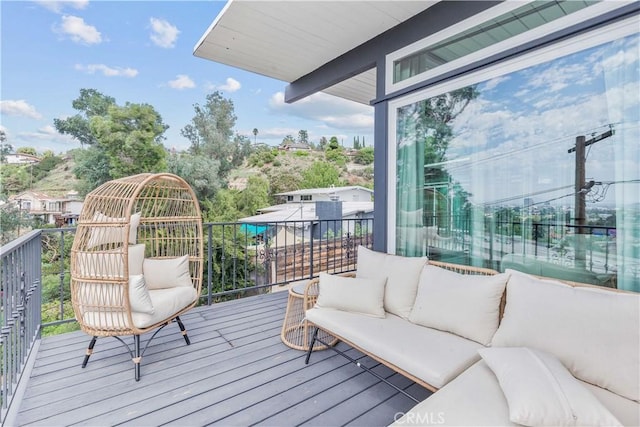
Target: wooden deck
{"x":237,"y":371}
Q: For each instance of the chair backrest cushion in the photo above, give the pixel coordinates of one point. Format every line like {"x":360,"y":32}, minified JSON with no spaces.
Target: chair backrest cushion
{"x":165,"y":273}
{"x":464,"y":304}
{"x":594,"y":332}
{"x":113,"y":231}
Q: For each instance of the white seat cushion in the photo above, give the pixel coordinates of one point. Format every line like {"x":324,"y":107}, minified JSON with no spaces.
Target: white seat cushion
{"x":594,"y":332}
{"x":433,"y":356}
{"x":465,"y":304}
{"x":356,"y":295}
{"x":475,"y":398}
{"x":139,"y":298}
{"x":402,"y":275}
{"x":166,"y":302}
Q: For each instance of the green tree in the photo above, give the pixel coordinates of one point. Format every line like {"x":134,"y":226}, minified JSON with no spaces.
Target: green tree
{"x":131,"y":139}
{"x":320,"y":175}
{"x":27,"y":150}
{"x":282,"y":180}
{"x":90,"y":103}
{"x":15,"y":178}
{"x":211,"y":134}
{"x":333,"y":143}
{"x":255,"y":135}
{"x":364,"y":156}
{"x":200,"y":172}
{"x":12,"y":221}
{"x":4,"y":147}
{"x":253,"y":197}
{"x":91,"y":167}
{"x":303,"y":136}
{"x":322,"y":144}
{"x":289,"y":139}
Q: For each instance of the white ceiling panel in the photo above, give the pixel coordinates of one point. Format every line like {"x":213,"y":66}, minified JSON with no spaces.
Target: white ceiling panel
{"x":286,"y":40}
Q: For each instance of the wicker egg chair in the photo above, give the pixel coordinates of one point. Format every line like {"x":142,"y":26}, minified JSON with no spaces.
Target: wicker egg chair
{"x":136,"y":259}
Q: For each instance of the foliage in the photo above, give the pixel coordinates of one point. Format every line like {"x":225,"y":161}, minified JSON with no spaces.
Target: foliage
{"x":301,"y":153}
{"x":254,"y":197}
{"x":27,"y":150}
{"x":281,"y":180}
{"x":322,"y":143}
{"x":303,"y":136}
{"x":262,"y":156}
{"x":131,"y":139}
{"x":12,"y":220}
{"x":211,"y":134}
{"x":90,"y":103}
{"x":15,"y":178}
{"x":333,"y":143}
{"x":92,"y":167}
{"x":364,"y":156}
{"x":222,"y":208}
{"x":321,"y":175}
{"x":336,"y":156}
{"x":46,"y":165}
{"x":201,"y":173}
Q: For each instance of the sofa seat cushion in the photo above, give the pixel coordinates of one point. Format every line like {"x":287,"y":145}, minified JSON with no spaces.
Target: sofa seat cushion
{"x":594,"y":332}
{"x":475,"y":398}
{"x":433,"y":356}
{"x":166,"y":303}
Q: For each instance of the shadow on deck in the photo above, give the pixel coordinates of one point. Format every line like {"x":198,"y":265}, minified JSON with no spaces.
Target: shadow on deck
{"x":237,"y":371}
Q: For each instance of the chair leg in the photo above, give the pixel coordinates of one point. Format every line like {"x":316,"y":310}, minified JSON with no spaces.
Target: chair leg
{"x":137,"y":356}
{"x":89,"y":351}
{"x":313,"y":341}
{"x":184,"y":331}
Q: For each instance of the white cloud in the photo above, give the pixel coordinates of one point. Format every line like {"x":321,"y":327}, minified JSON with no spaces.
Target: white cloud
{"x":330,"y":110}
{"x":182,"y":81}
{"x":107,"y":71}
{"x":163,"y":34}
{"x":493,"y":83}
{"x":231,"y":85}
{"x":78,"y":30}
{"x":57,"y":6}
{"x":19,"y":108}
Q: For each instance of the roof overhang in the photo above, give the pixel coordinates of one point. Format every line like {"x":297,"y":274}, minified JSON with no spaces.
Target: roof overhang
{"x":288,"y":40}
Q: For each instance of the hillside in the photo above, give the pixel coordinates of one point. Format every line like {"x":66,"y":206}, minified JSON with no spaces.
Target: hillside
{"x":59,"y":180}
{"x":290,"y":164}
{"x":283,"y":171}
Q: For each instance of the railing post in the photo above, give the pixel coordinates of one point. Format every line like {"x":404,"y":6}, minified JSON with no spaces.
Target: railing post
{"x":209,"y":263}
{"x":311,"y":257}
{"x":61,"y":294}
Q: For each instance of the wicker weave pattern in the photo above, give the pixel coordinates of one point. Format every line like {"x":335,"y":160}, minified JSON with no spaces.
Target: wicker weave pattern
{"x":170,"y":226}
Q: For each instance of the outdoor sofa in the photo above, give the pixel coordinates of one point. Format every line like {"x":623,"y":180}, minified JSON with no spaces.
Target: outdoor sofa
{"x":496,"y":348}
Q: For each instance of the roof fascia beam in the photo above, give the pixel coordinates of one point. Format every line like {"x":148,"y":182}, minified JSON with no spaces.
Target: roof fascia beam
{"x":364,"y":57}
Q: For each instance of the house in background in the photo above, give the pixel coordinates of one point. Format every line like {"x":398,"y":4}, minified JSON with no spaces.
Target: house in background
{"x":315,"y":213}
{"x":482,"y":110}
{"x":21,"y":159}
{"x":346,"y":194}
{"x":56,"y":211}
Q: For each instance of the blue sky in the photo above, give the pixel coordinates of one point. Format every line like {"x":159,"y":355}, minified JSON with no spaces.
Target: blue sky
{"x":142,"y":52}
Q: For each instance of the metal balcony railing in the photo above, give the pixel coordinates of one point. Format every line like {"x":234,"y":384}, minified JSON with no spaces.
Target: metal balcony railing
{"x":240,"y":260}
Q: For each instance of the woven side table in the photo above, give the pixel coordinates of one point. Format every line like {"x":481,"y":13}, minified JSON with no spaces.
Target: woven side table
{"x":296,"y":331}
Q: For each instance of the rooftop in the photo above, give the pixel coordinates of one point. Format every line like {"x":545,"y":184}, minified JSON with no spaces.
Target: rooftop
{"x":304,"y":212}
{"x":330,"y":190}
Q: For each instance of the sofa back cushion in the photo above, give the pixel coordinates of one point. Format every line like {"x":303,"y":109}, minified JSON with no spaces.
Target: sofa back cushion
{"x":356,"y":295}
{"x":163,"y":273}
{"x":402,"y":275}
{"x":594,"y":332}
{"x":465,"y":304}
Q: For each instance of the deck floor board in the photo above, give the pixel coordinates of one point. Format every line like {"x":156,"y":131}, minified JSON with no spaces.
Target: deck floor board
{"x":237,"y":371}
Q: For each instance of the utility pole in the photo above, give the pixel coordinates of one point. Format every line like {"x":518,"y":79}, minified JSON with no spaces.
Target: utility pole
{"x":581,"y":190}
